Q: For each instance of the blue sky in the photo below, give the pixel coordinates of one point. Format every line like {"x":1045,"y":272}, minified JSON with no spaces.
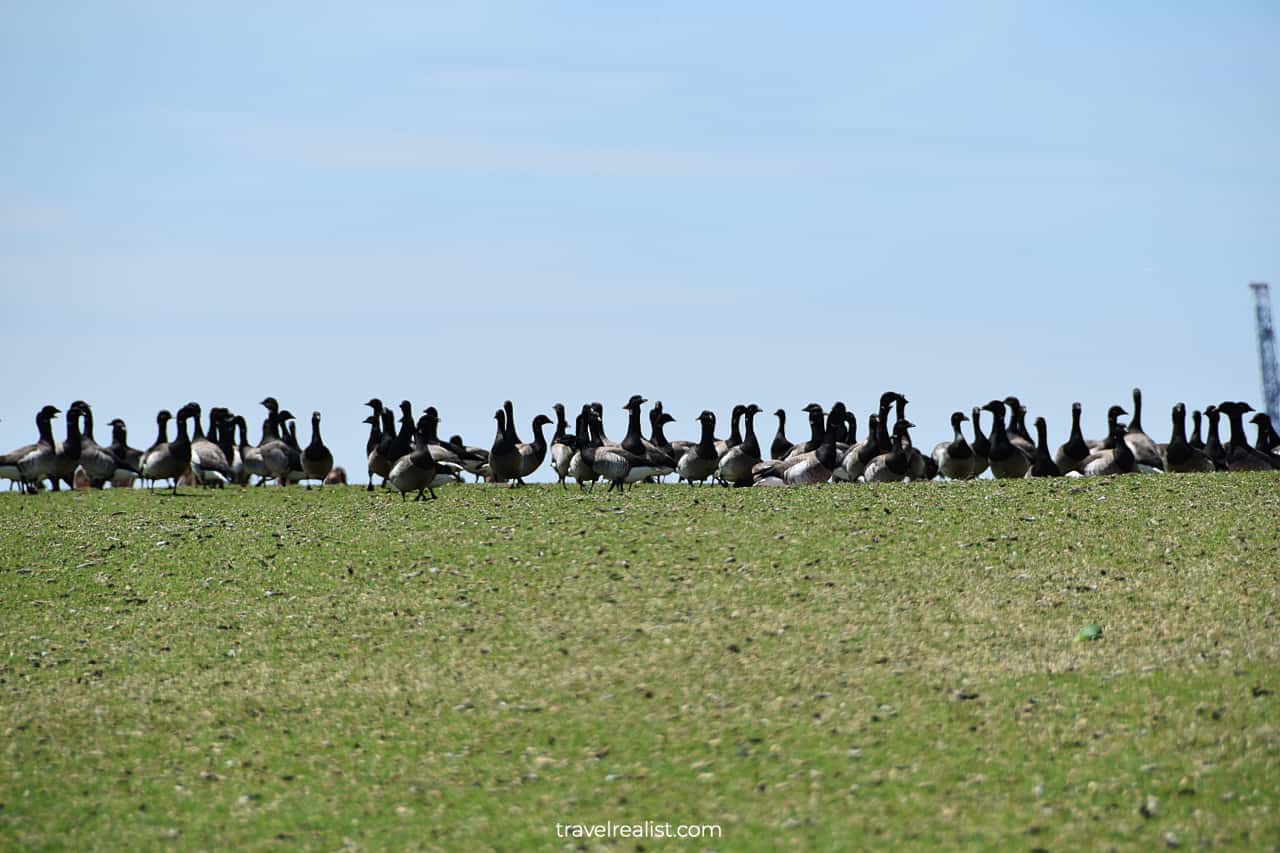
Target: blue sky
{"x":461,"y":203}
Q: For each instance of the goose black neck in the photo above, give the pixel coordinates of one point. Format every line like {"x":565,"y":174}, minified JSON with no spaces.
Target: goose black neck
{"x":816,"y":428}
{"x":1195,"y":440}
{"x":44,"y":426}
{"x":707,"y":444}
{"x":539,"y":440}
{"x":735,"y":429}
{"x":1135,"y":422}
{"x":162,"y":431}
{"x":749,"y":442}
{"x":315,"y":433}
{"x":88,"y":425}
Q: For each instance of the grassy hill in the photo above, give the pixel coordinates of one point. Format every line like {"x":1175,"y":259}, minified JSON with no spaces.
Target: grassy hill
{"x":837,"y":666}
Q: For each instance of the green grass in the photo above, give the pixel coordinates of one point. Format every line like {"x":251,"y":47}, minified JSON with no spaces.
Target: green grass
{"x":834,"y":667}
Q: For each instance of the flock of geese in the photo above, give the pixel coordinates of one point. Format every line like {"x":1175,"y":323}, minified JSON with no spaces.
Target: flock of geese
{"x":411,"y":457}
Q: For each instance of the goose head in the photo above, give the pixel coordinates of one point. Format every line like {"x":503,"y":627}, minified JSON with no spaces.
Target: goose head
{"x":315,"y":418}
{"x":634,"y":403}
{"x":270,"y":404}
{"x":958,"y":418}
{"x":372,"y":419}
{"x":286,"y":416}
{"x":707,"y":417}
{"x":996,"y":408}
{"x":406,"y":410}
{"x":116,"y":422}
{"x":163,"y":417}
{"x":375,"y":404}
{"x":887,"y":399}
{"x":540,"y":421}
{"x":1115,"y":412}
{"x":48,"y":413}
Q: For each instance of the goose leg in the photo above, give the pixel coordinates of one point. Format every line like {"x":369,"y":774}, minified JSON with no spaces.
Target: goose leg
{"x":433,"y":493}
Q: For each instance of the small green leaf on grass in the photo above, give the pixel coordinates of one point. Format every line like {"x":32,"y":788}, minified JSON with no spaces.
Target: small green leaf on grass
{"x":1092,"y":631}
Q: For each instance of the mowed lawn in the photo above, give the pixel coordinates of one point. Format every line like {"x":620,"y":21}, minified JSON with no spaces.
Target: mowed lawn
{"x":838,"y":666}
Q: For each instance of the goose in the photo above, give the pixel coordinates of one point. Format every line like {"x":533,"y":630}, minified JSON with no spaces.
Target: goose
{"x":1181,"y":457}
{"x":1071,"y":456}
{"x":475,"y":460}
{"x":842,"y":426}
{"x":658,"y":420}
{"x":1242,"y":456}
{"x":30,"y":464}
{"x":504,"y":456}
{"x":1017,"y":429}
{"x":917,"y":467}
{"x":1042,"y":464}
{"x":317,"y":460}
{"x":428,"y":430}
{"x":1213,"y":445}
{"x":701,"y":460}
{"x":98,"y":462}
{"x":652,"y":461}
{"x":168,"y":460}
{"x":817,"y":429}
{"x":563,"y":446}
{"x":1267,"y":441}
{"x":381,"y":430}
{"x":1118,"y":459}
{"x":981,"y":445}
{"x":1196,"y":441}
{"x":1017,"y":422}
{"x":582,"y":464}
{"x":1144,"y":449}
{"x":611,"y":461}
{"x":781,"y":446}
{"x":955,"y":458}
{"x":737,"y":462}
{"x":853,"y":464}
{"x":290,"y":437}
{"x":808,"y":469}
{"x":372,"y":458}
{"x":735,"y":434}
{"x":400,"y":442}
{"x":208,"y":463}
{"x":379,"y":459}
{"x":251,"y":456}
{"x":273,"y":451}
{"x":129,"y":457}
{"x":532,"y":453}
{"x":1007,"y":459}
{"x":1113,"y":415}
{"x":893,"y":466}
{"x":67,"y":453}
{"x":415,"y":471}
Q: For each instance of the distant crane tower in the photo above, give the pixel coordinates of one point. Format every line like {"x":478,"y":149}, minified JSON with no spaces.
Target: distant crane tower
{"x":1267,"y":350}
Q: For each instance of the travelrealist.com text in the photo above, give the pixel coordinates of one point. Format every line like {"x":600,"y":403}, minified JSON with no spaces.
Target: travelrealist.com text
{"x":645,"y":829}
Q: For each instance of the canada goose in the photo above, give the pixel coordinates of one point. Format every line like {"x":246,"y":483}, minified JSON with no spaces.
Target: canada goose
{"x":1042,"y":464}
{"x":1118,"y":459}
{"x":817,"y":429}
{"x":98,"y":462}
{"x":1144,"y":449}
{"x":563,"y":445}
{"x":168,"y":460}
{"x":130,"y":458}
{"x":30,"y":464}
{"x":1196,"y":441}
{"x":504,"y":456}
{"x":208,"y":463}
{"x":1181,"y":457}
{"x":735,"y":434}
{"x":317,"y":460}
{"x":737,"y":462}
{"x":701,"y":460}
{"x":1213,"y":444}
{"x":1071,"y":456}
{"x":1242,"y":456}
{"x":781,"y":445}
{"x":955,"y":458}
{"x":1007,"y":459}
{"x":981,"y":445}
{"x":1267,"y":441}
{"x":67,"y":453}
{"x":532,"y":453}
{"x":893,"y":466}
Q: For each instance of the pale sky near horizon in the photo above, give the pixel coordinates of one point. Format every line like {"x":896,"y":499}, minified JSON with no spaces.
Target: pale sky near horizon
{"x":710,"y":203}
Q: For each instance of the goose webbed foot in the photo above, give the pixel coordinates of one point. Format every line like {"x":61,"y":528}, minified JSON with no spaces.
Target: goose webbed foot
{"x":433,"y":493}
